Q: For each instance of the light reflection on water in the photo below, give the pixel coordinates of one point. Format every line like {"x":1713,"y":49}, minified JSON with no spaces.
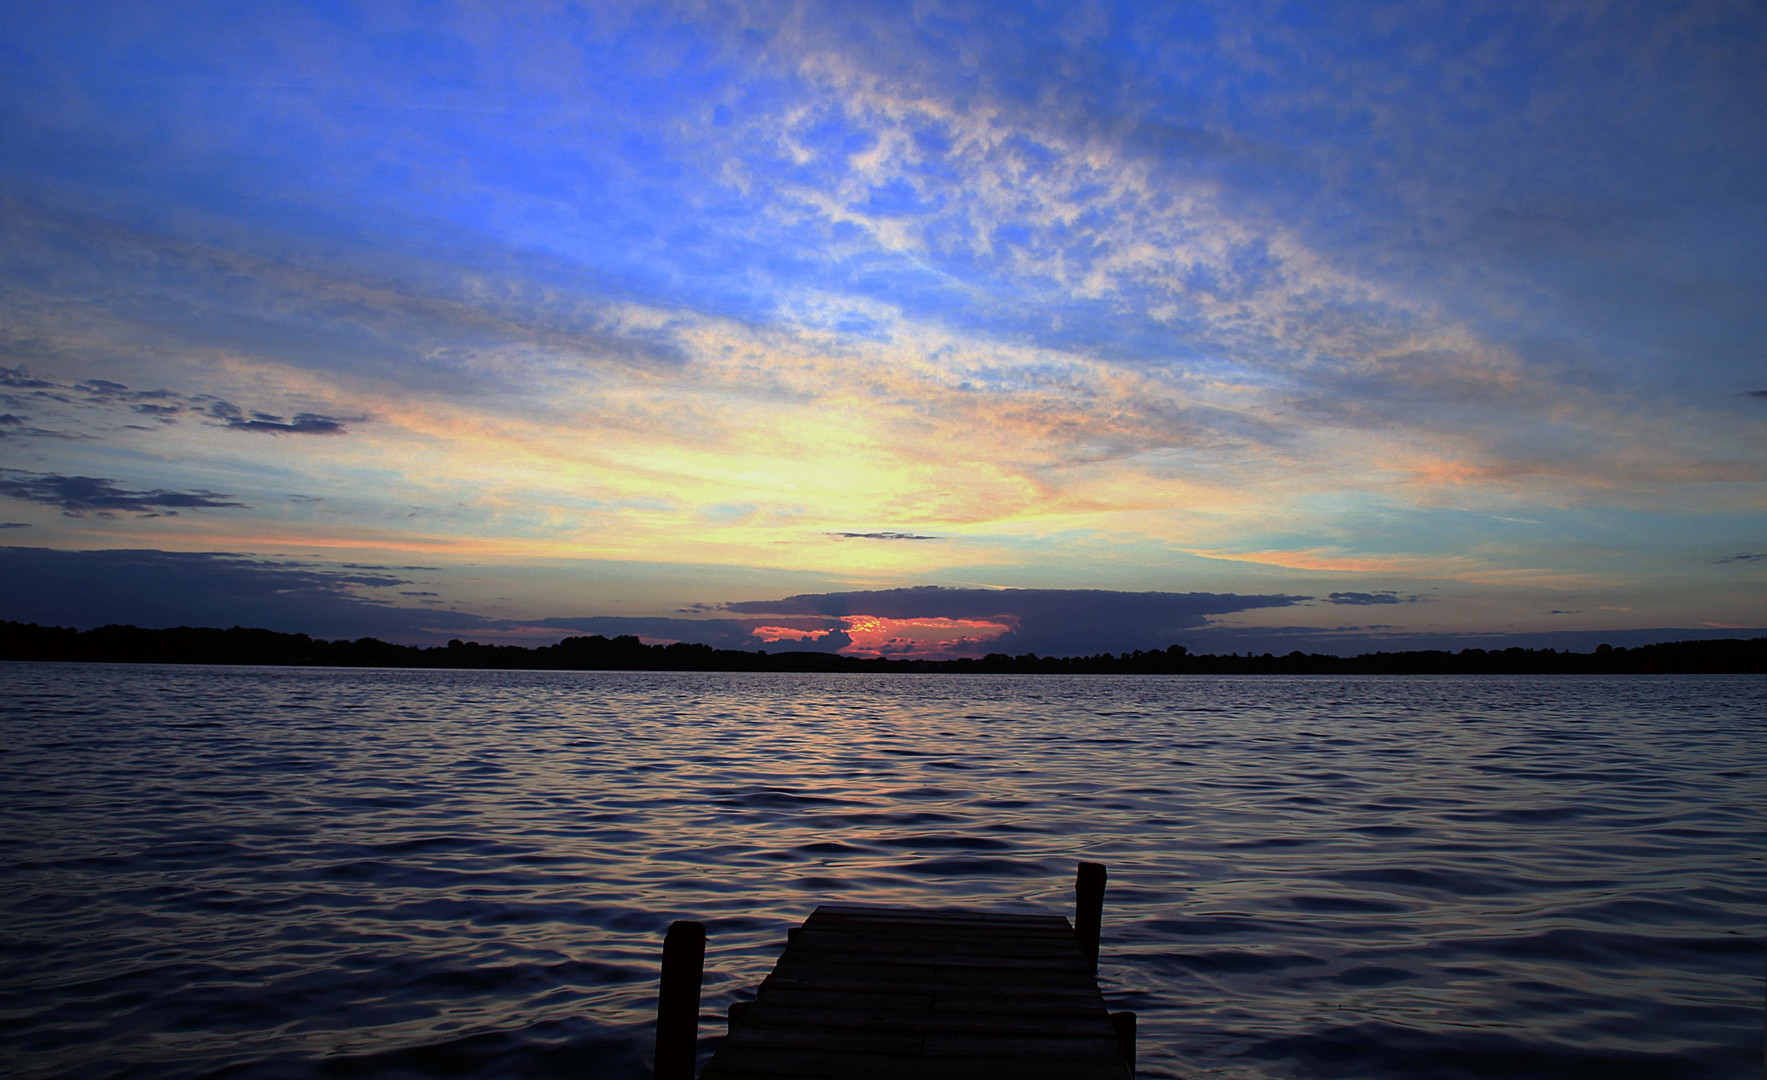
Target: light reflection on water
{"x":304,"y":872}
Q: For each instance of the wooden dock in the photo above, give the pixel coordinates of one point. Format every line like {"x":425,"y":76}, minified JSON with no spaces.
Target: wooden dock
{"x":874,"y":993}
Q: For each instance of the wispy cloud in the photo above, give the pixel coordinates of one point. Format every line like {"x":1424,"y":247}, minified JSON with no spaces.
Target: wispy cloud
{"x":882,"y":536}
{"x":271,"y":424}
{"x":1364,"y":599}
{"x":82,"y":400}
{"x":81,"y":495}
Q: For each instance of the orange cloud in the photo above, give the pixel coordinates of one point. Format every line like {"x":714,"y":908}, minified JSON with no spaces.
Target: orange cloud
{"x":876,"y":635}
{"x":772,"y":634}
{"x":1324,"y":559}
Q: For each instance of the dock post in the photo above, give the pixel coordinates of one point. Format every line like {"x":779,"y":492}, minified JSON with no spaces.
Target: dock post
{"x":677,"y":1003}
{"x":1089,"y":909}
{"x":1123,"y":1023}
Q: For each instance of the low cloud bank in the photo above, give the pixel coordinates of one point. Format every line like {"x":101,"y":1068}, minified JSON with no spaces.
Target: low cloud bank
{"x":158,"y":589}
{"x":163,"y":588}
{"x":1049,"y":622}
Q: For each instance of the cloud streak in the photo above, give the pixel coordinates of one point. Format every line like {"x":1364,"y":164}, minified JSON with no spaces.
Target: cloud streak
{"x":882,"y":536}
{"x":77,"y":496}
{"x":1363,"y":599}
{"x":86,"y":398}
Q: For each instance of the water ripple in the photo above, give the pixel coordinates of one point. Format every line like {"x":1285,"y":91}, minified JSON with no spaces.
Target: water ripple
{"x":306,"y":873}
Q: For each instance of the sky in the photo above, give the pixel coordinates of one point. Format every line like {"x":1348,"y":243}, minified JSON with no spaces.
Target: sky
{"x":919,"y":329}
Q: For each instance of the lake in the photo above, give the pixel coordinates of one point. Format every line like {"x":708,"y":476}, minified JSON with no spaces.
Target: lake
{"x":309,"y":872}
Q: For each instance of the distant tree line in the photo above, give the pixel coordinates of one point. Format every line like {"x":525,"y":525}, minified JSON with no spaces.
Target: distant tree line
{"x":205,"y":645}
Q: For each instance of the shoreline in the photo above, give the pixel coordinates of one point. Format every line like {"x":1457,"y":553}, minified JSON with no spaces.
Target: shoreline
{"x":242,"y":646}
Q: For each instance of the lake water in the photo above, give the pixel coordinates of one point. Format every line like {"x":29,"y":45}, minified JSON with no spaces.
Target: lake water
{"x":273,"y":872}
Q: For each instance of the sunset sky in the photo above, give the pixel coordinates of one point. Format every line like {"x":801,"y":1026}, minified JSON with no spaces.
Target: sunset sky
{"x":922,"y":328}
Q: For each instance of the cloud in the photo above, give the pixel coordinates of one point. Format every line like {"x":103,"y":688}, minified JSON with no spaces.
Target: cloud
{"x":99,"y":396}
{"x":932,"y":620}
{"x":882,"y":536}
{"x":1355,"y":640}
{"x":162,"y":588}
{"x":1044,"y":621}
{"x":12,"y":426}
{"x":15,"y":524}
{"x":175,"y":588}
{"x":20,"y":379}
{"x":1754,"y":393}
{"x":81,"y":495}
{"x":1743,"y":556}
{"x":234,"y":418}
{"x":802,"y":635}
{"x":1365,"y":598}
{"x":303,"y":424}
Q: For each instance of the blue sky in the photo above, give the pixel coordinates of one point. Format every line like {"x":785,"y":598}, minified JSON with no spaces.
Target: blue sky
{"x":634,"y":312}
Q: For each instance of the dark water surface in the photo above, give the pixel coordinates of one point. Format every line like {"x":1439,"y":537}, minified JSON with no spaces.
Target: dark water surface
{"x":263,"y":872}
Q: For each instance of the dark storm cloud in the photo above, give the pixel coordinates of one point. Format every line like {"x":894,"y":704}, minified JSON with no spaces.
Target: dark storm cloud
{"x":933,"y":601}
{"x":78,"y":496}
{"x":163,"y":588}
{"x":882,"y":536}
{"x":1044,"y":621}
{"x":177,"y":588}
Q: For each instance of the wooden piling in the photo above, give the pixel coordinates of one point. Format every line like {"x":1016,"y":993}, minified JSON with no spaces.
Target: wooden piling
{"x":1123,"y":1023}
{"x":1089,"y":909}
{"x":677,"y":1006}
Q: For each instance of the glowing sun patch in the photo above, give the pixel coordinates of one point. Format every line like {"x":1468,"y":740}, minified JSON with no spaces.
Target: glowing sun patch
{"x":876,"y":635}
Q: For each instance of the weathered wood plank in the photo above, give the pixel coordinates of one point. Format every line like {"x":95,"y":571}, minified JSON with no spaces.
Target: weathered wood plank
{"x":848,"y":1039}
{"x":745,"y":1063}
{"x":864,"y":992}
{"x":1063,"y":1023}
{"x":1035,"y":1000}
{"x":1054,"y":951}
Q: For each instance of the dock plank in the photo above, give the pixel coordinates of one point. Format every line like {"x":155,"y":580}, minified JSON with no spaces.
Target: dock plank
{"x":865,"y":992}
